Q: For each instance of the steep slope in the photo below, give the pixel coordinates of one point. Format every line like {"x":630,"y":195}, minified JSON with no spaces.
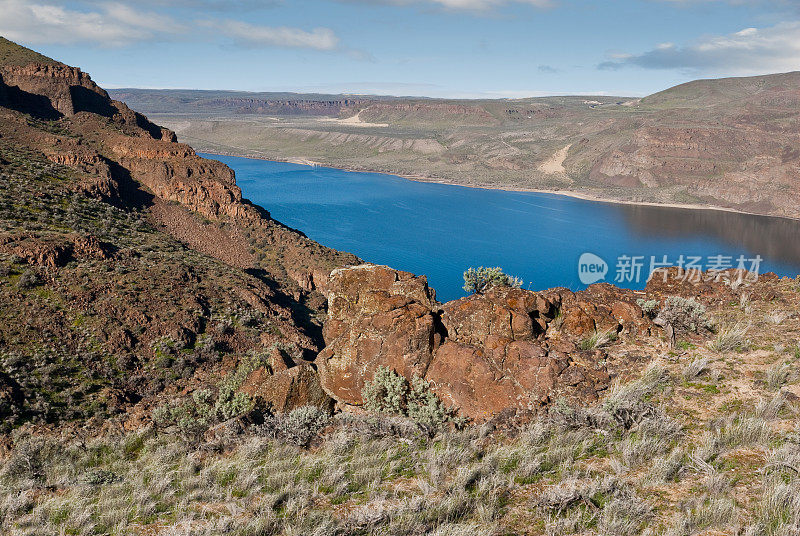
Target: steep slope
{"x":131,"y":268}
{"x":730,"y":142}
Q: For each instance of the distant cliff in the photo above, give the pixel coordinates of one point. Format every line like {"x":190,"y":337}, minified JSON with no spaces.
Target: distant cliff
{"x":730,"y":142}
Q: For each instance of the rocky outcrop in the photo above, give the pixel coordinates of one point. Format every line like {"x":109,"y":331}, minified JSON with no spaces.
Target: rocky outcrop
{"x":67,"y":90}
{"x":376,"y":317}
{"x":269,"y":293}
{"x":124,"y":158}
{"x":282,"y":106}
{"x":173,"y":172}
{"x":149,"y":153}
{"x":54,"y":250}
{"x":505,"y":350}
{"x":287,"y":388}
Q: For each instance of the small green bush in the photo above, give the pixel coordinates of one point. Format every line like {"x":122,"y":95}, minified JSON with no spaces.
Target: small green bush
{"x":482,"y":279}
{"x":684,"y":314}
{"x":28,"y":279}
{"x":386,"y":393}
{"x":391,"y":393}
{"x":203,"y":409}
{"x":649,"y":307}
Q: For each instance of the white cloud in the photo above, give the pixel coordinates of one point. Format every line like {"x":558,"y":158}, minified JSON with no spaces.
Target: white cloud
{"x":254,"y":35}
{"x":470,"y":5}
{"x":748,"y":51}
{"x":116,"y":24}
{"x":113,"y":24}
{"x":488,"y":4}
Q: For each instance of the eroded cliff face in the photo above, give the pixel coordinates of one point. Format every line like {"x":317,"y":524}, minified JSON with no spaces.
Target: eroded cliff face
{"x":117,"y":149}
{"x":508,"y":350}
{"x":739,"y":167}
{"x":93,"y":198}
{"x":67,"y":90}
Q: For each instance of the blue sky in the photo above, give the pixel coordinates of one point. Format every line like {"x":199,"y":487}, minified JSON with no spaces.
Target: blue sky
{"x":440,"y":48}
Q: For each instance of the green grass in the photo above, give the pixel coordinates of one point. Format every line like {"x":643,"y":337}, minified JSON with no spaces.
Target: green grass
{"x":14,"y":54}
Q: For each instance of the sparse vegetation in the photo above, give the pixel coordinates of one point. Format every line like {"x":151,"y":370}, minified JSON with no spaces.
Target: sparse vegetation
{"x":106,"y":321}
{"x":777,"y":376}
{"x":684,"y":314}
{"x":730,"y":338}
{"x":305,"y":472}
{"x":598,"y":339}
{"x":392,"y":394}
{"x":695,"y":369}
{"x":479,"y":280}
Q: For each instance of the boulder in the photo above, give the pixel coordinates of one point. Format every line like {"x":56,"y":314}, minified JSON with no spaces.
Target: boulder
{"x":376,"y":317}
{"x":285,"y":389}
{"x":500,"y":313}
{"x":496,"y":356}
{"x":485,"y":354}
{"x":600,"y":307}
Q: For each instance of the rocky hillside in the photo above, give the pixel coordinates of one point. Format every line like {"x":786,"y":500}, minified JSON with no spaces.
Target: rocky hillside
{"x":174,"y":361}
{"x":132,"y":269}
{"x":729,"y":142}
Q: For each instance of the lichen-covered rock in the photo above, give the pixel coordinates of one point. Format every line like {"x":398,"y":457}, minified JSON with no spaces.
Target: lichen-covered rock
{"x":287,"y":388}
{"x":483,"y":355}
{"x":496,"y":356}
{"x":500,"y":313}
{"x":377,"y":316}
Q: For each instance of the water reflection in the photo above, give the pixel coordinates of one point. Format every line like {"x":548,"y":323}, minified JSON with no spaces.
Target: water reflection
{"x":774,"y":238}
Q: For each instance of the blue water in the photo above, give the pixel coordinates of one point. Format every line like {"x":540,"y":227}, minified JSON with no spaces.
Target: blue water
{"x":440,"y":230}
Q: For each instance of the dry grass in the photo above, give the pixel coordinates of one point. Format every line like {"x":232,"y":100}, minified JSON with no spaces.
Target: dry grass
{"x":730,"y":338}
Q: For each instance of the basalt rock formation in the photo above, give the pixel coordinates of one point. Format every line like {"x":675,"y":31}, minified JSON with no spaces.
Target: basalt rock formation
{"x":115,"y":145}
{"x":132,"y":271}
{"x":730,"y":142}
{"x":505,"y":350}
{"x":133,"y":275}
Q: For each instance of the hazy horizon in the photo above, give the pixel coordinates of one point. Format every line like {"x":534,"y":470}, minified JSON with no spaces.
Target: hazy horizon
{"x":411,"y":96}
{"x":433,"y":48}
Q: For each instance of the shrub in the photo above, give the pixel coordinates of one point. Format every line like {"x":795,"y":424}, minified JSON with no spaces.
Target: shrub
{"x":386,"y":393}
{"x":629,"y":404}
{"x":230,"y":401}
{"x":191,"y":419}
{"x":193,"y":416}
{"x":649,"y":307}
{"x":685,"y":314}
{"x":300,"y":426}
{"x":29,"y":458}
{"x":28,"y":279}
{"x":426,"y":409}
{"x":391,"y":393}
{"x":482,"y":279}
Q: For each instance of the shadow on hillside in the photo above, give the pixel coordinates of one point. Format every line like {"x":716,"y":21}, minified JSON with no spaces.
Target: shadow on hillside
{"x":37,"y":106}
{"x":302,"y":315}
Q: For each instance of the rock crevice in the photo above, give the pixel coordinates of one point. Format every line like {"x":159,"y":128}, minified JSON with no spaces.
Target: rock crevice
{"x":506,"y":350}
